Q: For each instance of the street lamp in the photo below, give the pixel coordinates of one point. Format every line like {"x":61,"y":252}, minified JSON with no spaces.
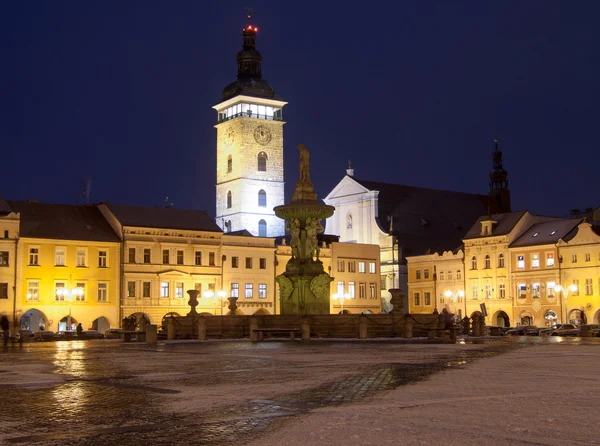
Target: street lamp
{"x":572,"y":288}
{"x":460,"y":293}
{"x":216,"y":297}
{"x":69,"y":295}
{"x":341,"y":298}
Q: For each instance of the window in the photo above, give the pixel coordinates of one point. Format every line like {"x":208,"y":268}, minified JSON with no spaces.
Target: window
{"x":131,"y":289}
{"x":441,"y":275}
{"x":488,"y":291}
{"x":3,"y":290}
{"x":474,"y":291}
{"x":340,"y":288}
{"x":81,"y":293}
{"x":361,"y":267}
{"x":180,"y":257}
{"x":249,"y":262}
{"x":473,"y":262}
{"x":351,"y":289}
{"x":229,"y":164}
{"x":179,"y":290}
{"x":501,"y":291}
{"x":33,"y":290}
{"x":131,"y":255}
{"x":372,"y":268}
{"x":417,"y":299}
{"x":262,"y":290}
{"x":59,"y":257}
{"x":164,"y":289}
{"x":59,"y":291}
{"x":340,"y":266}
{"x":522,"y":291}
{"x":487,"y":262}
{"x":449,"y":275}
{"x":102,"y":292}
{"x":147,"y":257}
{"x":262,"y":199}
{"x":535,"y":289}
{"x":262,"y":263}
{"x":235,"y":262}
{"x":235,"y":290}
{"x":261,"y":162}
{"x":146,"y":289}
{"x":165,"y":256}
{"x":5,"y":233}
{"x":248,"y":290}
{"x":418,"y":274}
{"x":441,"y":298}
{"x":198,"y":258}
{"x":520,"y":262}
{"x":362,"y":290}
{"x":102,"y":259}
{"x":262,"y":228}
{"x":576,"y":283}
{"x":587,"y":257}
{"x":458,"y":275}
{"x":228,"y":199}
{"x":427,"y":298}
{"x":383,"y":283}
{"x":372,"y":291}
{"x":4,"y":258}
{"x":211,"y":259}
{"x":34,"y":256}
{"x":550,"y":289}
{"x":535,"y":260}
{"x":574,"y":258}
{"x":81,"y":257}
{"x":501,"y":261}
{"x":211,"y":287}
{"x":426,"y":274}
{"x":589,"y":287}
{"x":351,"y":266}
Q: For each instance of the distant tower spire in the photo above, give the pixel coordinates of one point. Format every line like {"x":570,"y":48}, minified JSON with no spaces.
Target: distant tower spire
{"x":249,"y":59}
{"x":499,"y":181}
{"x":350,"y":170}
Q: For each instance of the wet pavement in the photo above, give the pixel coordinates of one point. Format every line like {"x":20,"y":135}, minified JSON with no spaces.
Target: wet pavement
{"x":216,"y":392}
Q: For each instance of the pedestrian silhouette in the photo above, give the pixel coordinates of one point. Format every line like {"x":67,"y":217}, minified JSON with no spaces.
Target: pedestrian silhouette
{"x":79,"y":329}
{"x":5,"y":325}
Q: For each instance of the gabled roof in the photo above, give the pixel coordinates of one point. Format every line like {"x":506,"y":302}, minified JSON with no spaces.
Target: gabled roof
{"x":546,"y":232}
{"x":505,"y":223}
{"x":164,"y":218}
{"x":427,"y":218}
{"x":62,"y":222}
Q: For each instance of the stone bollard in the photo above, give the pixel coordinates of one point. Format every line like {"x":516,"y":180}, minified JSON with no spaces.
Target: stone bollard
{"x":482,"y":328}
{"x":407,"y":329}
{"x":476,"y":326}
{"x":453,"y":336}
{"x":253,"y":326}
{"x":201,"y":328}
{"x":362,"y":327}
{"x":585,"y":331}
{"x":305,"y":328}
{"x":151,"y":334}
{"x":170,"y":329}
{"x":466,"y":323}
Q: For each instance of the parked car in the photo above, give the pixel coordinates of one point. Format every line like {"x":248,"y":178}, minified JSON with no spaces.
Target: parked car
{"x":521,"y":330}
{"x":535,"y":331}
{"x":91,"y":334}
{"x":577,"y":331}
{"x":46,"y":335}
{"x":557,"y":330}
{"x":113,"y":333}
{"x":66,"y":334}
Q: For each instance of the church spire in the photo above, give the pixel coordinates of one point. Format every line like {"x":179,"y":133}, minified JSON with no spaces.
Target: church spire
{"x":499,"y":181}
{"x":249,"y":59}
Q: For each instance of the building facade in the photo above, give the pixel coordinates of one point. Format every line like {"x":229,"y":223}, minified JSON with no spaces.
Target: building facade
{"x":250,"y":149}
{"x":9,"y":236}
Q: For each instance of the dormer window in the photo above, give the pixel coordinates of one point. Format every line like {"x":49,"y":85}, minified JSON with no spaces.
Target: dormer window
{"x":486,"y":227}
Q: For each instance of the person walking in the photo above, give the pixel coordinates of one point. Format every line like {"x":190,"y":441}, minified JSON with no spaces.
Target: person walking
{"x":79,"y":329}
{"x":5,"y":326}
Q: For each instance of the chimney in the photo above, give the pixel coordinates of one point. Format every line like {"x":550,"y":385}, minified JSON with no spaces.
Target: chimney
{"x":350,"y":170}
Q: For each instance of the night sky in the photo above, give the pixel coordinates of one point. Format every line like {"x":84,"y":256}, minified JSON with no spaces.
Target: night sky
{"x":412,"y":91}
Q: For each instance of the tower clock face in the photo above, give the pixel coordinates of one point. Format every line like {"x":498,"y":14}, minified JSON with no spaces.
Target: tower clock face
{"x":262,"y":135}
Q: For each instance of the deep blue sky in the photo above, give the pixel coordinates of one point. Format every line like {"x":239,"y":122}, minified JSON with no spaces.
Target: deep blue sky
{"x":412,"y":91}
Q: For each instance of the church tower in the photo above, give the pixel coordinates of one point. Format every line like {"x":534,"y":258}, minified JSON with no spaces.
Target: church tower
{"x":499,"y":182}
{"x":250,"y":148}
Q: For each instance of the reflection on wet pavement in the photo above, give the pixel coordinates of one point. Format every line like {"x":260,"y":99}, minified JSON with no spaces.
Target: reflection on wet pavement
{"x":110,"y":392}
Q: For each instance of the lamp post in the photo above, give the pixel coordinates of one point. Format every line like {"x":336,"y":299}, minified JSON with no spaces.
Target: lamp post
{"x":341,"y":298}
{"x":455,"y":295}
{"x":68,"y":294}
{"x":572,"y":288}
{"x":217,"y":297}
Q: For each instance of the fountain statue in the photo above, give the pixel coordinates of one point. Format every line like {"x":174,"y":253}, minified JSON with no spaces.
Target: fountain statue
{"x":304,"y":286}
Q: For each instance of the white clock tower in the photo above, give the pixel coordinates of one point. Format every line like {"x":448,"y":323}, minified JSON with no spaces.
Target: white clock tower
{"x":250,"y":148}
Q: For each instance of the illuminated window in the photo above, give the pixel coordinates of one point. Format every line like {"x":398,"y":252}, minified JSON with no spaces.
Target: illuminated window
{"x":81,"y":294}
{"x":535,"y":289}
{"x":59,"y":254}
{"x":262,"y":290}
{"x":3,"y":258}
{"x":81,"y":257}
{"x":235,"y":290}
{"x":550,"y":289}
{"x":535,"y":260}
{"x":351,"y":289}
{"x":522,"y":291}
{"x":549,"y":259}
{"x":59,"y":291}
{"x":102,"y":292}
{"x":33,"y":290}
{"x":520,"y":262}
{"x":488,"y":291}
{"x":576,"y":283}
{"x":248,"y":290}
{"x":474,"y":291}
{"x":372,"y":268}
{"x":262,"y":199}
{"x":361,"y":267}
{"x":164,"y":290}
{"x":340,"y":288}
{"x":262,"y":162}
{"x":179,"y":290}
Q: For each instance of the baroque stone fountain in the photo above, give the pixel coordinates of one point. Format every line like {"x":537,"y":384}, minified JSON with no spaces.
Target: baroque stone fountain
{"x":304,"y":286}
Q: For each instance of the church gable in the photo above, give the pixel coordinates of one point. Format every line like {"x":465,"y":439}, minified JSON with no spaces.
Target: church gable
{"x":347,"y":186}
{"x":583,"y":235}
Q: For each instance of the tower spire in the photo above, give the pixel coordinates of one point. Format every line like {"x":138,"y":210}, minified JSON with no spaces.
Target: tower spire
{"x":249,"y":59}
{"x":499,"y":180}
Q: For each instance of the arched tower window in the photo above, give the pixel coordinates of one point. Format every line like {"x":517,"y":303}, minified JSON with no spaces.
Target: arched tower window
{"x":501,"y":261}
{"x":487,"y":262}
{"x":262,"y":199}
{"x":229,"y":200}
{"x":262,"y":228}
{"x":229,"y":164}
{"x":262,"y":162}
{"x":473,"y":262}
